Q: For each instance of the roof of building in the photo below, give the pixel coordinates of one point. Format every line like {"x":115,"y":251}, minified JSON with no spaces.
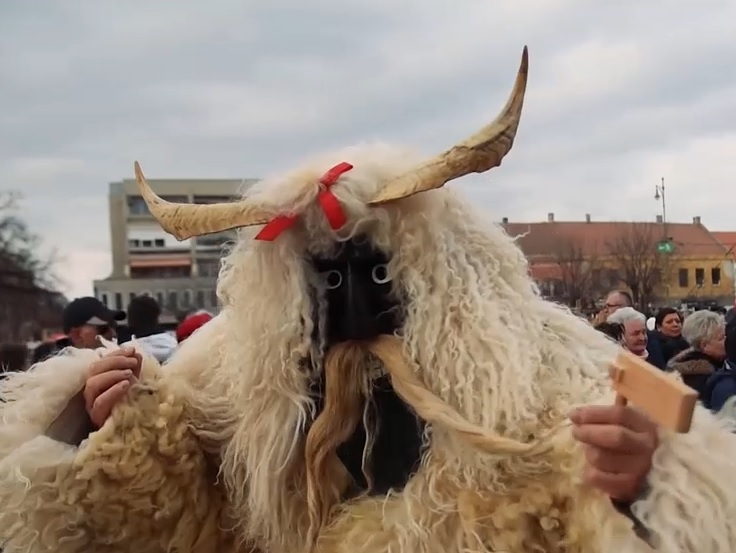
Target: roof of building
{"x":728,"y":238}
{"x":546,"y":240}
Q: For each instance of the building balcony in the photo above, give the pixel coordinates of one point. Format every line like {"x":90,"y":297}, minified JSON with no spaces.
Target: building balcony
{"x":156,"y":247}
{"x":151,"y":266}
{"x":176,"y":296}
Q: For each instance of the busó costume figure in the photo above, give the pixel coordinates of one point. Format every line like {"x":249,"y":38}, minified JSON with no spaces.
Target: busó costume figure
{"x":383,"y":376}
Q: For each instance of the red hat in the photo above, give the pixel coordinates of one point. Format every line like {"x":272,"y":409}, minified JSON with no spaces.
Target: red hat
{"x":187,"y":327}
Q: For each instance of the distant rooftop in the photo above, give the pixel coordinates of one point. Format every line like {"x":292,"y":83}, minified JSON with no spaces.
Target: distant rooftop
{"x":543,"y":238}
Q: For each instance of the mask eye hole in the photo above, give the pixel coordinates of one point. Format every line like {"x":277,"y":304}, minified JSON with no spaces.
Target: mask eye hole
{"x":379,"y":274}
{"x":333,"y":279}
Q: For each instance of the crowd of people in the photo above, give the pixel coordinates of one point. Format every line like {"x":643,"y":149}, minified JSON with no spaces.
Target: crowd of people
{"x":87,"y":319}
{"x":699,"y":347}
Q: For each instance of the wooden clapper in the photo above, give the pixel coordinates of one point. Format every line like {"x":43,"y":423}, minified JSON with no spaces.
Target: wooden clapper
{"x":666,"y":401}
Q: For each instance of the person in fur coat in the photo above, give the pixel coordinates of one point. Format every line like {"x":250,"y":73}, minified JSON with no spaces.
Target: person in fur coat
{"x":384,"y":376}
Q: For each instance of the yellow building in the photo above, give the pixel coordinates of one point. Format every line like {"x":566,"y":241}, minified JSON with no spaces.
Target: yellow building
{"x":661,"y":263}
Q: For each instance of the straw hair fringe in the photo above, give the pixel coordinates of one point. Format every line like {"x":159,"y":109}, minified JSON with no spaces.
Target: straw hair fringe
{"x":347,"y":390}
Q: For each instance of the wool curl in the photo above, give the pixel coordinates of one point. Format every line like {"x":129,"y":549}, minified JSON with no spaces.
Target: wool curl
{"x":140,"y":483}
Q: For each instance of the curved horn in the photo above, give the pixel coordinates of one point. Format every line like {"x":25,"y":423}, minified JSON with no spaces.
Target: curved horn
{"x":479,"y":153}
{"x":186,"y":220}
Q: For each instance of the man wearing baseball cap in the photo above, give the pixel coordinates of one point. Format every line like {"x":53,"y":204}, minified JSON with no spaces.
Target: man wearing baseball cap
{"x":87,"y":318}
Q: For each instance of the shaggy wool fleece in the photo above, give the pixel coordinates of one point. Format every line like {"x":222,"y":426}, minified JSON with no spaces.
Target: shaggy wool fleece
{"x":141,"y":483}
{"x":235,"y":400}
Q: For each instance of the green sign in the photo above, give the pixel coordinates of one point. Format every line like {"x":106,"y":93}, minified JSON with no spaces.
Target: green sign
{"x":665,"y":246}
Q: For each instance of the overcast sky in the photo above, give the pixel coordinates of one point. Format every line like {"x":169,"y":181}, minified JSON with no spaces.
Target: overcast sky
{"x":620,"y":94}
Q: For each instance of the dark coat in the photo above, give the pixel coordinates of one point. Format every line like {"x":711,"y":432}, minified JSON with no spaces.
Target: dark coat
{"x":654,"y":350}
{"x":720,"y":387}
{"x":671,"y":346}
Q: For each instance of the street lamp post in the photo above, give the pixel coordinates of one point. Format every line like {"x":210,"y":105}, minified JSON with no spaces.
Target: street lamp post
{"x":664,"y":246}
{"x":659,"y":194}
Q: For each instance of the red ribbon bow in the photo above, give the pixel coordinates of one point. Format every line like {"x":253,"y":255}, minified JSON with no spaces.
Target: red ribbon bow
{"x":327,"y":200}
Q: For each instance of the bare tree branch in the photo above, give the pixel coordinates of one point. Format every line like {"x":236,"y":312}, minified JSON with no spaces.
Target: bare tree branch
{"x":27,"y":281}
{"x":577,"y":269}
{"x":634,"y":252}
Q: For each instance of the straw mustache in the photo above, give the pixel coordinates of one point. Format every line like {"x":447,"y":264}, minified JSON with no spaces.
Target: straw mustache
{"x":347,"y":389}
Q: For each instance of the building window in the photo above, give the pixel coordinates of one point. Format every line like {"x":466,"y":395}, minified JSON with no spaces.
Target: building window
{"x":171,"y":303}
{"x":137,"y":206}
{"x":200,"y":302}
{"x":104,"y":299}
{"x":715,"y":276}
{"x":160,"y":298}
{"x":185,"y":299}
{"x":118,"y":301}
{"x":213,"y":298}
{"x":699,"y":276}
{"x":683,"y":278}
{"x":146,"y":243}
{"x":160,"y":272}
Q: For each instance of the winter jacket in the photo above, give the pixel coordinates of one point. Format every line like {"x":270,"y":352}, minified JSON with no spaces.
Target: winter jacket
{"x":720,"y":387}
{"x":695,"y":367}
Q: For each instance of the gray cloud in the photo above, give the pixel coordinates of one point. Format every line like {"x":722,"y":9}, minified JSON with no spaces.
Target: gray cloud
{"x":620,"y":94}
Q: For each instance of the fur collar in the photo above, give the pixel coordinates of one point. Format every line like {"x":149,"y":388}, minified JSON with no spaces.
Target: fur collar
{"x":691,"y":362}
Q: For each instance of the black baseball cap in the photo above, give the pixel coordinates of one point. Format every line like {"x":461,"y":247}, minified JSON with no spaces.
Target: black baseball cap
{"x":89,"y":311}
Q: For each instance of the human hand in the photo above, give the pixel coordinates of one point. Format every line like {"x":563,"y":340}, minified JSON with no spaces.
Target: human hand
{"x":619,"y":444}
{"x":108,"y":380}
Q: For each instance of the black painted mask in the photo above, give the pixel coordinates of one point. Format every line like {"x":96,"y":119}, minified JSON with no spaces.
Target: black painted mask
{"x":361,"y":305}
{"x":358,"y":293}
